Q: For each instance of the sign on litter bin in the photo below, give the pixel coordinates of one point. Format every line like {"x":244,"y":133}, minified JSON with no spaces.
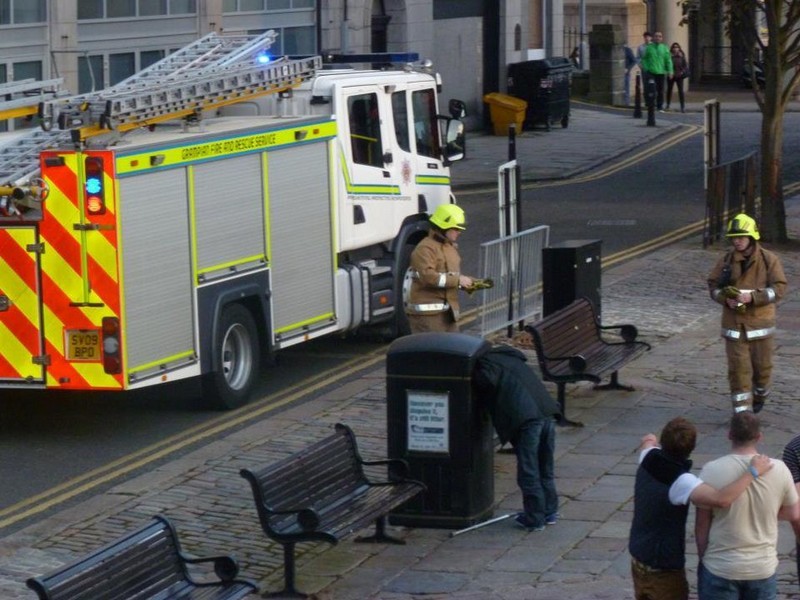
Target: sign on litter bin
{"x":438,"y":425}
{"x":428,"y":421}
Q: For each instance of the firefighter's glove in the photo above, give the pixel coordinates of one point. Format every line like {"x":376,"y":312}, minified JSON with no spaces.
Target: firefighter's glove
{"x":730,"y":291}
{"x":479,"y":284}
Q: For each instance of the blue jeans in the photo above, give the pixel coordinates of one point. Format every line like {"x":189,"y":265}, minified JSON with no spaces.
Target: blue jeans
{"x":711,"y":587}
{"x":534,"y":447}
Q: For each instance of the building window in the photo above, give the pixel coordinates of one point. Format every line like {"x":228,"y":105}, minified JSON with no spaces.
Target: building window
{"x":298,"y":40}
{"x":117,"y":9}
{"x":17,"y":12}
{"x":150,"y":8}
{"x":232,"y":6}
{"x":3,"y":79}
{"x":90,"y":9}
{"x":251,"y":5}
{"x":182,"y":7}
{"x":90,"y":74}
{"x":30,"y":69}
{"x":149,"y":57}
{"x":29,"y":11}
{"x":120,"y":9}
{"x":121,"y":66}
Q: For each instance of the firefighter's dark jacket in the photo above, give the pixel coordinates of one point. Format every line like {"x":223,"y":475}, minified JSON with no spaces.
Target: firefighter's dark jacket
{"x":512,"y":390}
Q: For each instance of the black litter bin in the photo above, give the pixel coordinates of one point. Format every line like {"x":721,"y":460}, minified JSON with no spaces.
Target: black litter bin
{"x":544,"y":84}
{"x":571,"y":270}
{"x":437,"y":424}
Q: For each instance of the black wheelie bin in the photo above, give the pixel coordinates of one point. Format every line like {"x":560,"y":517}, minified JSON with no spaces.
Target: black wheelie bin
{"x":545,"y":85}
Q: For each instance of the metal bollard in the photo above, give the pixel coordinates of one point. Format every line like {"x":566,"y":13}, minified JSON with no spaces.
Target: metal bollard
{"x":637,"y":102}
{"x":650,"y":99}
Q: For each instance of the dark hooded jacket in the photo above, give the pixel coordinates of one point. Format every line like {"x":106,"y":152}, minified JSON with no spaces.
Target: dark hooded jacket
{"x":658,"y":529}
{"x":512,"y":390}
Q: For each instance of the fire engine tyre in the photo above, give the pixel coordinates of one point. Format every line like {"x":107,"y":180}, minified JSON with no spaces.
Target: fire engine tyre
{"x":403,"y":286}
{"x":235,"y":360}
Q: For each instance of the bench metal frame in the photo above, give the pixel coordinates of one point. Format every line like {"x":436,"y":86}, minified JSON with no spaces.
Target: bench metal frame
{"x":144,"y":563}
{"x":321,"y":493}
{"x":570,"y":348}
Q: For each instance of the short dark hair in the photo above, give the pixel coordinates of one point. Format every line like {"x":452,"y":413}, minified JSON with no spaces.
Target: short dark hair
{"x":678,"y":438}
{"x":745,"y":428}
{"x":647,"y":34}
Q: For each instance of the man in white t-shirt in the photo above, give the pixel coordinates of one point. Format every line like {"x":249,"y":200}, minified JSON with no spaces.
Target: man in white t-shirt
{"x":737,"y":546}
{"x":664,"y":487}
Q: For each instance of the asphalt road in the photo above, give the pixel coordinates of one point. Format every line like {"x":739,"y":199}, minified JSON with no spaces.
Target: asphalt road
{"x":58,"y":447}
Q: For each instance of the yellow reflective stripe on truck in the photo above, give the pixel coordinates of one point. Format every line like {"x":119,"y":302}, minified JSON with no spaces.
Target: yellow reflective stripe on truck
{"x":224,"y":147}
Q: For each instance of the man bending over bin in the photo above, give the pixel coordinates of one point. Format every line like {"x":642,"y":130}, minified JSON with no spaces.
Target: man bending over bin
{"x":523,"y":413}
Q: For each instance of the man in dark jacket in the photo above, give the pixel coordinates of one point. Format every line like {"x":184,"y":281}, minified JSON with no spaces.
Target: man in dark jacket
{"x":523,"y":413}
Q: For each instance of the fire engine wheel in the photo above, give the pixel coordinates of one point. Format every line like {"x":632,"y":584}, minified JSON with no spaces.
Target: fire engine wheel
{"x":235,"y":361}
{"x":403,"y":287}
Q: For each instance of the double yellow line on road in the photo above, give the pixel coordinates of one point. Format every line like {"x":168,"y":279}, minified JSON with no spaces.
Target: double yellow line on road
{"x":686,"y":131}
{"x":88,"y":481}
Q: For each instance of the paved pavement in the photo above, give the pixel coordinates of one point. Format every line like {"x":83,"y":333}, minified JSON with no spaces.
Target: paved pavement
{"x":584,"y":556}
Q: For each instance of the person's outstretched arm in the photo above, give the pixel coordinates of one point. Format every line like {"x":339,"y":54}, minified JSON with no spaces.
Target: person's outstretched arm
{"x":709,"y":497}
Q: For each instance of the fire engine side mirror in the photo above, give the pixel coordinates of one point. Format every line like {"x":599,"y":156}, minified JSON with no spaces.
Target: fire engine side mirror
{"x":454,"y":145}
{"x":457,"y":109}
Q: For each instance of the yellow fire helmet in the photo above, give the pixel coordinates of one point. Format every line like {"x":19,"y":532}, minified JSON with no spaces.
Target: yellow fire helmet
{"x":449,"y":216}
{"x":742,"y":225}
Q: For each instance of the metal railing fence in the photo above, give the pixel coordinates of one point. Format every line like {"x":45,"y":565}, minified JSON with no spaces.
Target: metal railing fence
{"x":514,"y":263}
{"x":732,"y":188}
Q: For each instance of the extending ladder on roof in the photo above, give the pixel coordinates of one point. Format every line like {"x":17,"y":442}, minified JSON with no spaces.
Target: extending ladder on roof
{"x":19,"y":159}
{"x":21,"y":98}
{"x":213,"y":71}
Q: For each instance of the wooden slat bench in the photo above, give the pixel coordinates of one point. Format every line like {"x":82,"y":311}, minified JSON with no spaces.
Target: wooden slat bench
{"x":146,"y":563}
{"x":570,"y":348}
{"x":321,"y":493}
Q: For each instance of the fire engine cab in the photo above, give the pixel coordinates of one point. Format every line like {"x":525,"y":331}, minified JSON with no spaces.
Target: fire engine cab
{"x":210,"y":210}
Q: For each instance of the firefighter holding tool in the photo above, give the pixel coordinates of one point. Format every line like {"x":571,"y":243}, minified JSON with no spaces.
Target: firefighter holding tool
{"x":436,"y":274}
{"x":748,"y":281}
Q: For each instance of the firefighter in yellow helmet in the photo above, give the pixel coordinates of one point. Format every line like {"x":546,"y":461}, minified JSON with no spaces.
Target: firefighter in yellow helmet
{"x":747,"y":281}
{"x":436,"y":273}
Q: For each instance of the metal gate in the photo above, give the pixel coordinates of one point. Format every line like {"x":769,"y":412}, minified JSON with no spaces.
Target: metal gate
{"x":514,"y":263}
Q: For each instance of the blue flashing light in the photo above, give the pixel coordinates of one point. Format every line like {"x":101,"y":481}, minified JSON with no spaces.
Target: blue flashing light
{"x":93,"y":185}
{"x":263,"y":58}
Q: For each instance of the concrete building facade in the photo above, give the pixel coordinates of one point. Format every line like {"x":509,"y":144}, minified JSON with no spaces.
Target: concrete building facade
{"x":92,"y":44}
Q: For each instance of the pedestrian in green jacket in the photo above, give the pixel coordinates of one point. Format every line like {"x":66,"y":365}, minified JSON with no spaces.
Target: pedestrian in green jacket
{"x":656,"y":66}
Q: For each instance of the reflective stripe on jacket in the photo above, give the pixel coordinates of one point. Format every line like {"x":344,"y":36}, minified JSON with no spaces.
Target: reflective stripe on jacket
{"x":762,"y":274}
{"x":435,"y":286}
